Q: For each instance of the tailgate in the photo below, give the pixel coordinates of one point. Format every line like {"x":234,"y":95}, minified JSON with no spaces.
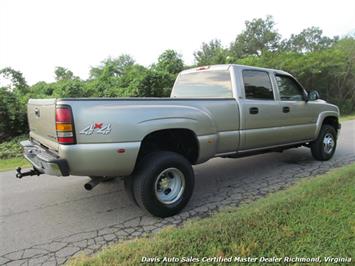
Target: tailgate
{"x":41,"y":120}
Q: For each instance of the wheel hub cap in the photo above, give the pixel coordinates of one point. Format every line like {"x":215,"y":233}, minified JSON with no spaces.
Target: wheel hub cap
{"x":328,"y":143}
{"x":169,"y":186}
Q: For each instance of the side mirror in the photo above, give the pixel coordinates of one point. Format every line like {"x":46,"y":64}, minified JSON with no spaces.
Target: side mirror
{"x":313,"y":95}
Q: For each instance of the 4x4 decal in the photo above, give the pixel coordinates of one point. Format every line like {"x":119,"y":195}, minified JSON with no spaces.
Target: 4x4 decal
{"x":99,"y":128}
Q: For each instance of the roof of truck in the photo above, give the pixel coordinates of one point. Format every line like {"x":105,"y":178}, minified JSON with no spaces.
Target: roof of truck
{"x":227,"y":66}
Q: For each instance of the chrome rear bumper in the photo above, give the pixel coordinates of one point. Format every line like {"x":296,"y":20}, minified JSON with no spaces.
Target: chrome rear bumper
{"x":43,"y":160}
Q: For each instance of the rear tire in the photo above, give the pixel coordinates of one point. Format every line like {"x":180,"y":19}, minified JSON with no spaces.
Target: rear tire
{"x":163,"y":183}
{"x":128,"y":185}
{"x":324,"y":146}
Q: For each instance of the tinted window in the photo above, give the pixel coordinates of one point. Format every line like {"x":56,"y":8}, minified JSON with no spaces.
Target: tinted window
{"x":204,"y":84}
{"x":257,"y":85}
{"x":289,"y":89}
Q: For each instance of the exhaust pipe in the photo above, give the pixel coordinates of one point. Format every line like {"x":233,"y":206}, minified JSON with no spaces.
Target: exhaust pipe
{"x":91,"y":184}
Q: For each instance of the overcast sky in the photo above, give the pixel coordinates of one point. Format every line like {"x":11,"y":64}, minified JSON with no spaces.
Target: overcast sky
{"x":38,"y":35}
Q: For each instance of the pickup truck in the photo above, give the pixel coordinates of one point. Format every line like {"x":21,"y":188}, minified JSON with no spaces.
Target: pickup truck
{"x":214,"y":111}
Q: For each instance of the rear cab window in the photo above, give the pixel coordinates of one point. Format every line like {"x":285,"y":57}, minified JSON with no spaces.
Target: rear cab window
{"x":257,"y":85}
{"x":203,"y":84}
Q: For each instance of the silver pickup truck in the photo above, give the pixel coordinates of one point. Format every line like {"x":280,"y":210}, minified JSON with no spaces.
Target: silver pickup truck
{"x":213,"y":111}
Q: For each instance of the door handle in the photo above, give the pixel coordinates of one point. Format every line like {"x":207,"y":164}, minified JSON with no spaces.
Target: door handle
{"x":253,"y":110}
{"x":286,"y":109}
{"x":37,"y":113}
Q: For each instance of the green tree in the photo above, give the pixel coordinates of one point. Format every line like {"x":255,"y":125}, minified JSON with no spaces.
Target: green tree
{"x":153,"y":85}
{"x":331,"y":71}
{"x":164,"y":73}
{"x":170,"y":62}
{"x":17,"y":83}
{"x":211,"y":53}
{"x":9,"y":114}
{"x":112,"y":66}
{"x":309,"y":40}
{"x":69,"y":89}
{"x":41,"y":90}
{"x":62,"y":73}
{"x":138,"y":81}
{"x":259,"y":36}
{"x":13,"y":119}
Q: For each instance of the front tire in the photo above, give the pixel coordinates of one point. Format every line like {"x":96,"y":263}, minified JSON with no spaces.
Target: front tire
{"x":163,"y":183}
{"x":324,"y":146}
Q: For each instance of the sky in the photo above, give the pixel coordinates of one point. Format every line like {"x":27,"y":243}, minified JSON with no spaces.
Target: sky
{"x":38,"y":35}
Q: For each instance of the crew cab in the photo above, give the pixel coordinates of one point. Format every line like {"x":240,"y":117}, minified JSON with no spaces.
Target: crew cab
{"x":214,"y":111}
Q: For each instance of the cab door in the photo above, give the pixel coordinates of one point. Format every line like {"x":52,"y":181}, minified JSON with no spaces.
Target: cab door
{"x":260,"y":110}
{"x":299,"y":117}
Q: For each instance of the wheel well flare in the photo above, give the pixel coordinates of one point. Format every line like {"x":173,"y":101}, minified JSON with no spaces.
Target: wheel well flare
{"x":182,"y":141}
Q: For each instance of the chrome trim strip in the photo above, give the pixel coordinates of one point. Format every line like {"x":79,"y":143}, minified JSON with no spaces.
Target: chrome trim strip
{"x":275,"y":146}
{"x":262,"y":148}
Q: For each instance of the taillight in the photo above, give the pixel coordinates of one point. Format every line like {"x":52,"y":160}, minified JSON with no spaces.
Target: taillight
{"x":64,"y":125}
{"x":63,"y":114}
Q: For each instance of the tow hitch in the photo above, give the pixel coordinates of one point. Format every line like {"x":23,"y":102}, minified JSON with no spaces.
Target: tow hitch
{"x":34,"y":171}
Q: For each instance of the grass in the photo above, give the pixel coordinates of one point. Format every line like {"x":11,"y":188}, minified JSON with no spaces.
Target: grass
{"x":314,"y":218}
{"x":11,"y":148}
{"x":12,"y":164}
{"x":347,"y":117}
{"x":11,"y":154}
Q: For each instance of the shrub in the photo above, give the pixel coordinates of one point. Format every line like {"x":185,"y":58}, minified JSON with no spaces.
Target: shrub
{"x":11,"y":149}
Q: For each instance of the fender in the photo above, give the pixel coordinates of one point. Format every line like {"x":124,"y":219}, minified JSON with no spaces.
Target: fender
{"x":195,"y":120}
{"x":321,"y":117}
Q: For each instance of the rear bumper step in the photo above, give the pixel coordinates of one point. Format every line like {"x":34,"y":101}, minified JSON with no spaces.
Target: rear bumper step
{"x":44,"y":161}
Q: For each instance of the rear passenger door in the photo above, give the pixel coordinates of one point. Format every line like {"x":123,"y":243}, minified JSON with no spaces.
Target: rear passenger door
{"x":259,"y":110}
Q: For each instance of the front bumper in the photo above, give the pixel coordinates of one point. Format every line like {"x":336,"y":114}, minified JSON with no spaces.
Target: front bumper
{"x":43,"y":160}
